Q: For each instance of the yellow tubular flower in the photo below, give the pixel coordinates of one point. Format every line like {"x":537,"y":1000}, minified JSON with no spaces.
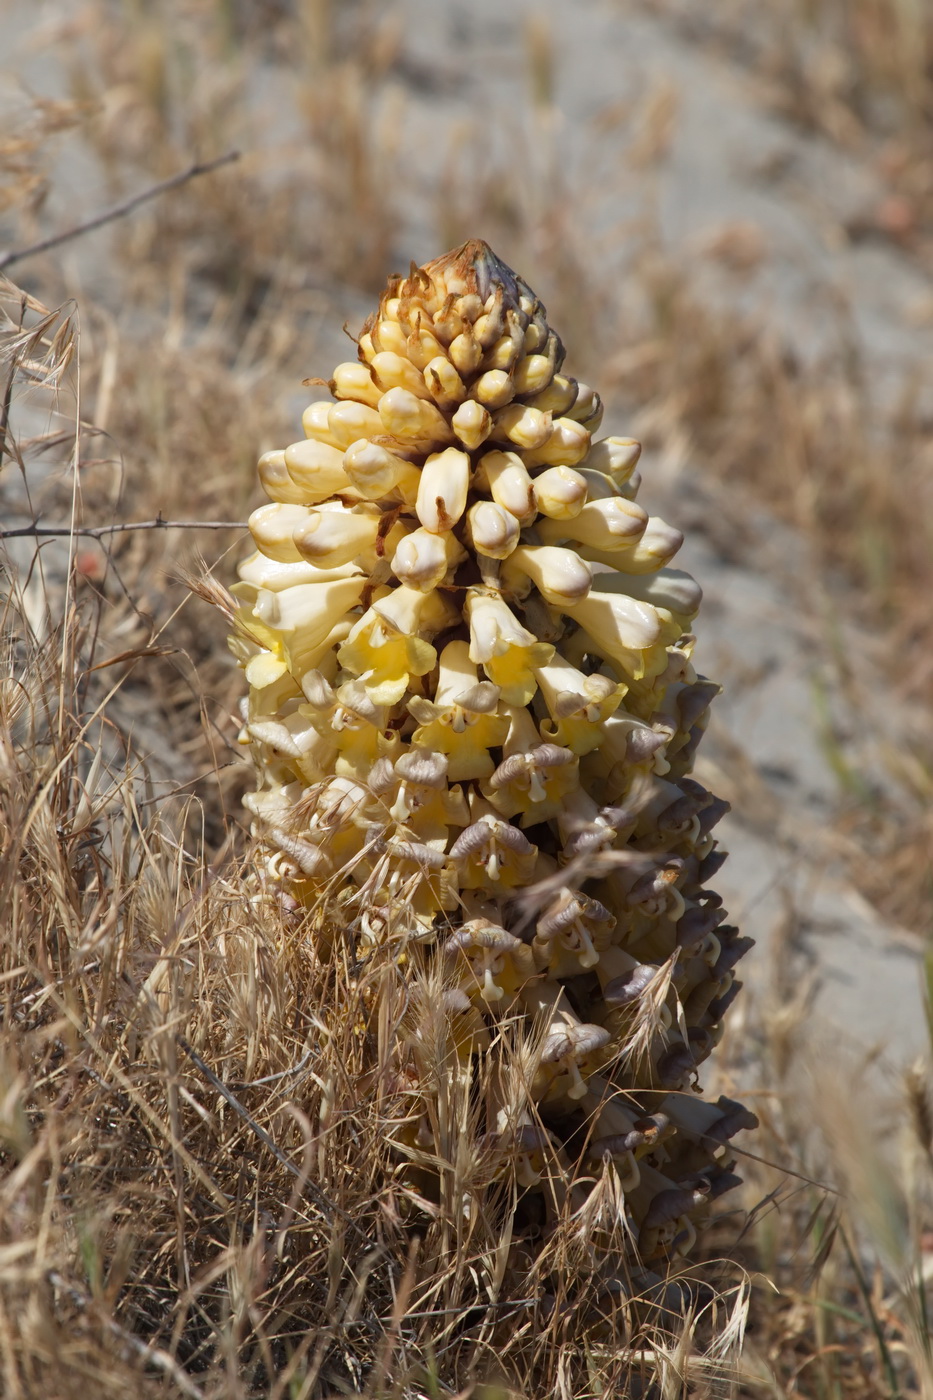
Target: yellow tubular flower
{"x":384,"y":647}
{"x":464,"y":720}
{"x":505,"y":649}
{"x":473,"y":712}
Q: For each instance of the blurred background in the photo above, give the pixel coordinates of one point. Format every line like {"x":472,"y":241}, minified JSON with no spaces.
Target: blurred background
{"x":728,"y":211}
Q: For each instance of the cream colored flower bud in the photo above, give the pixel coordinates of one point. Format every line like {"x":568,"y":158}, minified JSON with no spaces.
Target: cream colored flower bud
{"x":536,"y":334}
{"x":259,"y":571}
{"x":656,"y":547}
{"x":444,"y":383}
{"x":504,"y":353}
{"x":567,"y":443}
{"x":492,"y":530}
{"x":472,"y":424}
{"x":505,"y":649}
{"x":608,"y":525}
{"x":630,"y":489}
{"x":558,"y":397}
{"x":509,"y":484}
{"x":489,"y":327}
{"x":615,"y":456}
{"x":388,"y":335}
{"x":447,"y":324}
{"x":617,"y":621}
{"x":391,"y":371}
{"x":560,"y":493}
{"x":421,"y":347}
{"x":533,"y":374}
{"x":275,"y":480}
{"x":353,"y":380}
{"x":376,"y":472}
{"x":412,"y":420}
{"x":423,"y":560}
{"x":272,"y":528}
{"x":671,"y":589}
{"x":526,"y":427}
{"x":348,"y":421}
{"x":599,"y":487}
{"x":494,"y":389}
{"x":442,"y":491}
{"x":560,"y":575}
{"x":335,"y":537}
{"x":314,"y":422}
{"x":588,"y":408}
{"x":465,"y":352}
{"x":317,"y":469}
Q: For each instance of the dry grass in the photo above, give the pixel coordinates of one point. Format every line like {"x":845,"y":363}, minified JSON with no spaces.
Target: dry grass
{"x":210,"y":1168}
{"x":151,"y":1239}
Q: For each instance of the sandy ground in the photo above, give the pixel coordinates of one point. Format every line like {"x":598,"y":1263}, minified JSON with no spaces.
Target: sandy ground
{"x":726,"y":165}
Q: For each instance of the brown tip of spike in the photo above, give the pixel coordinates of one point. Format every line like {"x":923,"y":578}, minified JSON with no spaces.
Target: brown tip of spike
{"x":474,"y":267}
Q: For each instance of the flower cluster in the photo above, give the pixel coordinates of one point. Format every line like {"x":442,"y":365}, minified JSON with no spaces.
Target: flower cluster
{"x":474,"y":713}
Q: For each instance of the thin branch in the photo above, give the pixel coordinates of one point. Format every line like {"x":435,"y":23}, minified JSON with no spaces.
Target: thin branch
{"x":327,"y":1207}
{"x":97,"y":532}
{"x":118,"y":211}
{"x":150,"y":1355}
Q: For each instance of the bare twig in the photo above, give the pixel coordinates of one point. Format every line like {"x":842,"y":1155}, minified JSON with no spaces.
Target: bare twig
{"x":118,"y":211}
{"x":317,"y":1195}
{"x":97,"y":532}
{"x":152,"y":1356}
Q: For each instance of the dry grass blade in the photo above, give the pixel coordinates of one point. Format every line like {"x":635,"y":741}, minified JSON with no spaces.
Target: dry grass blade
{"x":119,"y":211}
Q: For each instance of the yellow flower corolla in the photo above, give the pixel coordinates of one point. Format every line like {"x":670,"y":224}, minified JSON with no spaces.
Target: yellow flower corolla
{"x":414,"y":793}
{"x":356,"y":724}
{"x":505,"y":649}
{"x":384,"y":647}
{"x":578,"y":704}
{"x":462,"y":722}
{"x":489,"y":963}
{"x":295,"y":626}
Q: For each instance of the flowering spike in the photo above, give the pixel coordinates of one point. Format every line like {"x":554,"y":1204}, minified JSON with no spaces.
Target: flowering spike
{"x":473,"y":710}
